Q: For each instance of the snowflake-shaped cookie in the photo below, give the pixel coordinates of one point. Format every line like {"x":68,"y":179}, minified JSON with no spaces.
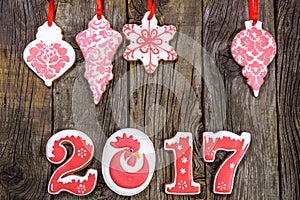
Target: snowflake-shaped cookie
{"x":149,"y":43}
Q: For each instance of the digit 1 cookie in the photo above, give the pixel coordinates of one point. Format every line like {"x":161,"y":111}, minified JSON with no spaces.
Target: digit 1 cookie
{"x":182,"y":147}
{"x":226,"y":141}
{"x":63,"y":178}
{"x":128,"y":162}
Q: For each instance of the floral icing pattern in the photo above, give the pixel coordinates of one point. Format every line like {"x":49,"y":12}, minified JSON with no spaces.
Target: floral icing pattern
{"x":49,"y":56}
{"x":254,"y":49}
{"x":98,"y":45}
{"x":149,"y":43}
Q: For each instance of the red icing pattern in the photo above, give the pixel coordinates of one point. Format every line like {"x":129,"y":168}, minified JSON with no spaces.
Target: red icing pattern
{"x":149,"y":43}
{"x":130,"y":154}
{"x":98,"y":45}
{"x":128,"y":179}
{"x":48,"y":55}
{"x":183,"y":183}
{"x":48,"y":60}
{"x":63,"y":178}
{"x":227,"y":141}
{"x":254,"y":49}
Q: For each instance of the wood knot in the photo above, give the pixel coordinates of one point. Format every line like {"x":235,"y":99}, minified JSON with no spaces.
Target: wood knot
{"x":163,"y":2}
{"x":227,"y":63}
{"x":12,"y":176}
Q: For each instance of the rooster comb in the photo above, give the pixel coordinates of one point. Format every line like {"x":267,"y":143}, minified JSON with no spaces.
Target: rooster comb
{"x":126,"y":142}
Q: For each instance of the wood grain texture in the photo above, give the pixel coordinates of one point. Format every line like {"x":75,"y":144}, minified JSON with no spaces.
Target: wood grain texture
{"x":73,"y":100}
{"x":288,"y":96}
{"x":25,"y":113}
{"x":257,"y":176}
{"x":166,"y":102}
{"x":203,"y":90}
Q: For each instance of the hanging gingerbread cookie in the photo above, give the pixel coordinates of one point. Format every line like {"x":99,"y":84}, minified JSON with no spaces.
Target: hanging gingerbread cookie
{"x":49,"y":56}
{"x":148,"y":41}
{"x":98,"y":45}
{"x":254,"y":49}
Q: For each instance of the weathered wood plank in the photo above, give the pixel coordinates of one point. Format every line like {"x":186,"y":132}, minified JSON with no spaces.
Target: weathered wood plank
{"x":73,"y":101}
{"x":288,"y":96}
{"x":257,"y":175}
{"x":25,"y":106}
{"x":172,"y":99}
{"x":168,"y":101}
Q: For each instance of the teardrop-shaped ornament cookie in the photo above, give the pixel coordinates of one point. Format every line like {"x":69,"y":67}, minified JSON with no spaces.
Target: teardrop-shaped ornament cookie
{"x":98,"y":45}
{"x":49,"y":56}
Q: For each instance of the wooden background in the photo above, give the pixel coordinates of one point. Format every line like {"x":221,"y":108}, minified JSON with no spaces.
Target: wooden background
{"x":202,"y":91}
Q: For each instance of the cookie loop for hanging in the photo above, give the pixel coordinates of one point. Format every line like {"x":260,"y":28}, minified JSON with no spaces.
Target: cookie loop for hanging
{"x":51,"y":12}
{"x":151,"y":8}
{"x":99,"y":8}
{"x":253,"y":11}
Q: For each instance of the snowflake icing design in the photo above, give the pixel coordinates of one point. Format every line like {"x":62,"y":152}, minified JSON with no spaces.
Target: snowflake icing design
{"x":149,"y":43}
{"x":210,"y":151}
{"x":184,"y":160}
{"x":182,"y":184}
{"x":98,"y":45}
{"x":182,"y":171}
{"x":232,"y":165}
{"x":179,"y":147}
{"x":81,"y":152}
{"x":222,"y":186}
{"x":81,"y":189}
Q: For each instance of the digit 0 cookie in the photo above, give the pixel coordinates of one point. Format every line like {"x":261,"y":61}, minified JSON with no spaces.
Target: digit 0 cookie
{"x":128,"y":162}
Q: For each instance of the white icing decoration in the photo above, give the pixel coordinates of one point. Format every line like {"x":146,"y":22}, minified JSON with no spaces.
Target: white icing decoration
{"x":45,"y":29}
{"x":249,"y":24}
{"x":221,"y":134}
{"x":128,"y":168}
{"x":77,"y":178}
{"x":64,"y":134}
{"x":47,"y":36}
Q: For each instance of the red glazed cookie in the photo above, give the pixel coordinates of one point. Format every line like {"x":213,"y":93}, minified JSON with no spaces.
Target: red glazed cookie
{"x":63,"y":178}
{"x":226,"y":141}
{"x":182,"y":147}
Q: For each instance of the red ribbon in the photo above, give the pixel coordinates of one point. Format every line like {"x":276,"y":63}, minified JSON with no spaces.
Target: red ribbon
{"x":151,"y":8}
{"x":99,"y":8}
{"x":253,"y":11}
{"x":51,"y":13}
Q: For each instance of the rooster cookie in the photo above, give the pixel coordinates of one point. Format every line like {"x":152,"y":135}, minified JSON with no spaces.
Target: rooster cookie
{"x":128,"y":162}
